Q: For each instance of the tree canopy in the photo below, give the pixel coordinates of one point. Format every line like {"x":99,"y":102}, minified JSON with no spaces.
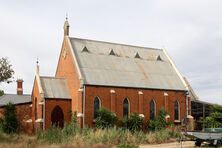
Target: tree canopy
{"x":6,"y":71}
{"x":215,"y":118}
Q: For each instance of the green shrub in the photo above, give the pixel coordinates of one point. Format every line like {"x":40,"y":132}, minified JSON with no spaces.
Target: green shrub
{"x":159,"y":122}
{"x":1,"y":124}
{"x":156,"y":124}
{"x":133,"y":123}
{"x":39,"y":133}
{"x":105,"y":119}
{"x":58,"y":135}
{"x":10,"y":123}
{"x":214,"y":120}
{"x":1,"y":92}
{"x":70,"y":129}
{"x":53,"y":135}
{"x":162,"y":113}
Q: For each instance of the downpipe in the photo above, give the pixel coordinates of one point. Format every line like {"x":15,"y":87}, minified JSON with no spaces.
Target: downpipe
{"x":44,"y":116}
{"x":83,"y":122}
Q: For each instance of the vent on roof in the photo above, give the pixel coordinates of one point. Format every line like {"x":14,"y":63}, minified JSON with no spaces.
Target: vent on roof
{"x":85,"y":50}
{"x":111,"y":52}
{"x":137,"y":55}
{"x":159,"y":58}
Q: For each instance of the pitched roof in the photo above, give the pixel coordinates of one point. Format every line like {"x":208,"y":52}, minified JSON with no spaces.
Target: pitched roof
{"x":14,"y":98}
{"x":191,"y":92}
{"x":54,"y":87}
{"x":98,"y":67}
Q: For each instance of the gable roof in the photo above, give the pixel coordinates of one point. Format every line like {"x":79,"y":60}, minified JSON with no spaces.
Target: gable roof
{"x":15,"y":99}
{"x":191,"y":92}
{"x":54,"y":87}
{"x":98,"y":67}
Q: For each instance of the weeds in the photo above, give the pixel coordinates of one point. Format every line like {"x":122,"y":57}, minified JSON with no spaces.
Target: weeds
{"x":88,"y":137}
{"x":53,"y":135}
{"x":72,"y":136}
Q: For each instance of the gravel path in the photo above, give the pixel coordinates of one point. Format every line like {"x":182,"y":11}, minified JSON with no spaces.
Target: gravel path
{"x":187,"y":144}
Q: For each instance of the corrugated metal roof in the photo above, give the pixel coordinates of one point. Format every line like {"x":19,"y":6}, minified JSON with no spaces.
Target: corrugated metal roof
{"x":14,"y":98}
{"x":54,"y":87}
{"x":191,"y":92}
{"x":98,"y":67}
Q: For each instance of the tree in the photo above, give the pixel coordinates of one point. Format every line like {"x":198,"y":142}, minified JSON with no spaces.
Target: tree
{"x":10,"y":121}
{"x":214,"y":120}
{"x":159,"y":122}
{"x":133,"y":123}
{"x":6,"y":71}
{"x":105,"y":119}
{"x":1,"y":92}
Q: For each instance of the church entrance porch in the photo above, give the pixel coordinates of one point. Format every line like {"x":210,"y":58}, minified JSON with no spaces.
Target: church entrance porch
{"x":57,"y":117}
{"x":57,"y":112}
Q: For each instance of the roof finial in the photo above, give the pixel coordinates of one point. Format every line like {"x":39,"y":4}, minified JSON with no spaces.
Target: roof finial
{"x":66,"y":26}
{"x":37,"y":66}
{"x":37,"y":61}
{"x":66,"y":16}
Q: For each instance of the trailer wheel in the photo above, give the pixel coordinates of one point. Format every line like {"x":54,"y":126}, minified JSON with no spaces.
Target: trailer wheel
{"x":219,"y":143}
{"x":198,"y":143}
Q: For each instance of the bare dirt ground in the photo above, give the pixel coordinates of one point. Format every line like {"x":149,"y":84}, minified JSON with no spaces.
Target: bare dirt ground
{"x":187,"y":144}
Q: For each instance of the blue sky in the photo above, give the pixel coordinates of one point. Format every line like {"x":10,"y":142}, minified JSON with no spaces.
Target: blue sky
{"x":191,"y":31}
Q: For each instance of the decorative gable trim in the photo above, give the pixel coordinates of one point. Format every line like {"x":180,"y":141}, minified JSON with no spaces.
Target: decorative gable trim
{"x":137,"y":55}
{"x":112,"y":52}
{"x":75,"y":62}
{"x":159,"y":58}
{"x":175,"y":68}
{"x":85,"y":49}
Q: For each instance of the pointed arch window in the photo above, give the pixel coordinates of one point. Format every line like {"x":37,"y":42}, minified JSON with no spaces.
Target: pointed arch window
{"x":126,"y":108}
{"x":35,"y":108}
{"x":96,"y":107}
{"x":152,"y":109}
{"x":176,"y":111}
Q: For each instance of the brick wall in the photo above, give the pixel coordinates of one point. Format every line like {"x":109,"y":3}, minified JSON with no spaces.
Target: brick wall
{"x":132,"y":94}
{"x":66,"y":68}
{"x":23,"y":113}
{"x":50,"y":104}
{"x":36,"y":106}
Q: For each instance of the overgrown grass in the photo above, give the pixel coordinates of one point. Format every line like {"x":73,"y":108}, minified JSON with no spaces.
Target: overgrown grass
{"x":56,"y":137}
{"x":88,"y":137}
{"x":72,"y":136}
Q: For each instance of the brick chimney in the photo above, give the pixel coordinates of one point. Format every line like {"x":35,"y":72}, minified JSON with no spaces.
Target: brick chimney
{"x":19,"y":87}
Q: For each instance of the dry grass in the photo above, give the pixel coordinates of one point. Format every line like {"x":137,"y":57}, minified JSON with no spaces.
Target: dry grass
{"x":88,"y":138}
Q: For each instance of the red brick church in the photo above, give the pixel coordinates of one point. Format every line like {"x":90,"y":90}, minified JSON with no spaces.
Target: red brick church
{"x":122,"y":78}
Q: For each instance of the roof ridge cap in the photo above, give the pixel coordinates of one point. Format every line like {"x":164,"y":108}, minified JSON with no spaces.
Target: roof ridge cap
{"x":52,"y":77}
{"x":117,"y":43}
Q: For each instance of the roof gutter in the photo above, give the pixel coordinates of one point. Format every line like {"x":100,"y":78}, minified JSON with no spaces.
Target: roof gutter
{"x":84,"y":100}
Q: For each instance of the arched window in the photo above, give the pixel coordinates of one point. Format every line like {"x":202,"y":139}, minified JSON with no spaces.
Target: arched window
{"x":152,"y":109}
{"x":176,"y":110}
{"x":126,"y":108}
{"x":96,"y":107}
{"x":35,"y":108}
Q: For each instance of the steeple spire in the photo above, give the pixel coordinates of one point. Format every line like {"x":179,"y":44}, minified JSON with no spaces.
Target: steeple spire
{"x":66,"y":27}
